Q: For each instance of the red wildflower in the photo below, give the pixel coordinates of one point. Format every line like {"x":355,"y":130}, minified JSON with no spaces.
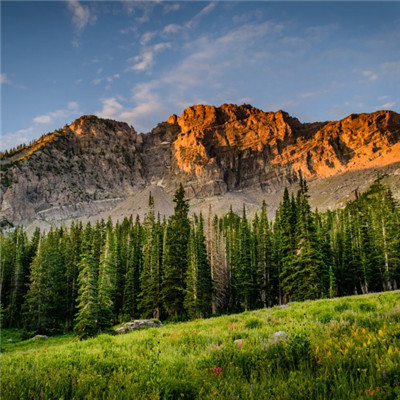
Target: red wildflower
{"x":217,"y":370}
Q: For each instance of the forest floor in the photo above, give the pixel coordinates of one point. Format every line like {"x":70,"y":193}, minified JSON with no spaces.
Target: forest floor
{"x":344,"y":348}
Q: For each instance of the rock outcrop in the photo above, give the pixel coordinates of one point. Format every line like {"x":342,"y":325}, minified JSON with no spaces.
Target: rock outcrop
{"x":238,"y":147}
{"x":94,"y":164}
{"x":138,"y":324}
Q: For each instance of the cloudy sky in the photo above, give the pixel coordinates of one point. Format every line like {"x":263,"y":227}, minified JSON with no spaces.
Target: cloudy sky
{"x":139,"y":62}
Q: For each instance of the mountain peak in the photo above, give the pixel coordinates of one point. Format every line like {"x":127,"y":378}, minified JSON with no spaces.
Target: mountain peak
{"x":210,"y":150}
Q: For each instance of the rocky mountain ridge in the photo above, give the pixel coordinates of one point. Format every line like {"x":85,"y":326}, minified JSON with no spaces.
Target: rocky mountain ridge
{"x":94,"y":165}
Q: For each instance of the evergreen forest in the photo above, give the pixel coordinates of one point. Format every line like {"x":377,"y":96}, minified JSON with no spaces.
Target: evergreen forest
{"x":88,"y":278}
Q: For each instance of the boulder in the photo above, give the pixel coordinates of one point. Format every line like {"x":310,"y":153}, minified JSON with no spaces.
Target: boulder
{"x":40,"y":337}
{"x":138,"y":324}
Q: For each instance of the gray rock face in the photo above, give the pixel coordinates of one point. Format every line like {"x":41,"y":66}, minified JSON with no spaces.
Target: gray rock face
{"x":84,"y":168}
{"x":138,"y":324}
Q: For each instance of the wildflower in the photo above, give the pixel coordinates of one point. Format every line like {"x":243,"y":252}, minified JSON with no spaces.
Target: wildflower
{"x":217,"y":370}
{"x":239,"y":342}
{"x":280,"y":334}
{"x":370,"y":392}
{"x":233,"y":326}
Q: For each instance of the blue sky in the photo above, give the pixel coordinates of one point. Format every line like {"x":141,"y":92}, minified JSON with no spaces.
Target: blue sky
{"x":139,"y":62}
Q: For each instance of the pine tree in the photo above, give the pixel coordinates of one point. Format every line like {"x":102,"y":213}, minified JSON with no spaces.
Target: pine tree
{"x":231,"y":226}
{"x":204,"y":281}
{"x":191,"y":297}
{"x":45,"y":300}
{"x":245,"y":279}
{"x":284,"y":246}
{"x":19,"y":279}
{"x":132,"y":283}
{"x":216,"y":252}
{"x":198,"y":275}
{"x":72,"y":256}
{"x":106,"y":282}
{"x":175,"y":256}
{"x":86,"y":323}
{"x":308,"y":262}
{"x":150,"y":297}
{"x":268,"y":280}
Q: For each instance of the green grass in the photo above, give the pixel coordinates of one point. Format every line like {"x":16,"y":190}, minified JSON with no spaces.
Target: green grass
{"x":345,"y":348}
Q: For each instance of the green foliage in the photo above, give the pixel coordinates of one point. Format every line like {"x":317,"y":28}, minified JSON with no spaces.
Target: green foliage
{"x":44,"y":304}
{"x":175,"y":256}
{"x":88,"y":306}
{"x":85,"y":279}
{"x":291,"y":354}
{"x":150,"y":296}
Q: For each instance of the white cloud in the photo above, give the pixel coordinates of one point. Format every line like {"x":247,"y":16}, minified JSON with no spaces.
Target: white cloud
{"x":13,"y":139}
{"x":210,"y":58}
{"x":108,"y":79}
{"x":389,"y":104}
{"x":39,"y":124}
{"x":4,"y":79}
{"x":170,"y":7}
{"x":205,"y":11}
{"x":147,"y":37}
{"x":111,"y":108}
{"x":58,"y":115}
{"x":42,"y":119}
{"x":144,"y":107}
{"x":143,"y":7}
{"x":145,"y":60}
{"x":192,"y":23}
{"x":97,"y":81}
{"x":171,"y":28}
{"x":73,"y":105}
{"x":113,"y":77}
{"x":370,"y":75}
{"x":82,"y":15}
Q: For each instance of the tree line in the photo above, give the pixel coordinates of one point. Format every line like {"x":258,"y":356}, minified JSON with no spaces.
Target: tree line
{"x":87,"y":278}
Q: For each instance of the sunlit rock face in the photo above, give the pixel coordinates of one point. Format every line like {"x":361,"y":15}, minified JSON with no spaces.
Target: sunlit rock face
{"x":236,"y":147}
{"x":93,"y":164}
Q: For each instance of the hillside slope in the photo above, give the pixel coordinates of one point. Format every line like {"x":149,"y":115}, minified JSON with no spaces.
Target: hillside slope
{"x":344,"y":348}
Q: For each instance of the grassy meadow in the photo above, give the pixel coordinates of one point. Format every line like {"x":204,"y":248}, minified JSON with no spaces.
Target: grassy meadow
{"x":345,"y":348}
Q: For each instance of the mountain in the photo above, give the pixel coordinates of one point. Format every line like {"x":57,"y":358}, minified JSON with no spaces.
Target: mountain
{"x":222,"y":155}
